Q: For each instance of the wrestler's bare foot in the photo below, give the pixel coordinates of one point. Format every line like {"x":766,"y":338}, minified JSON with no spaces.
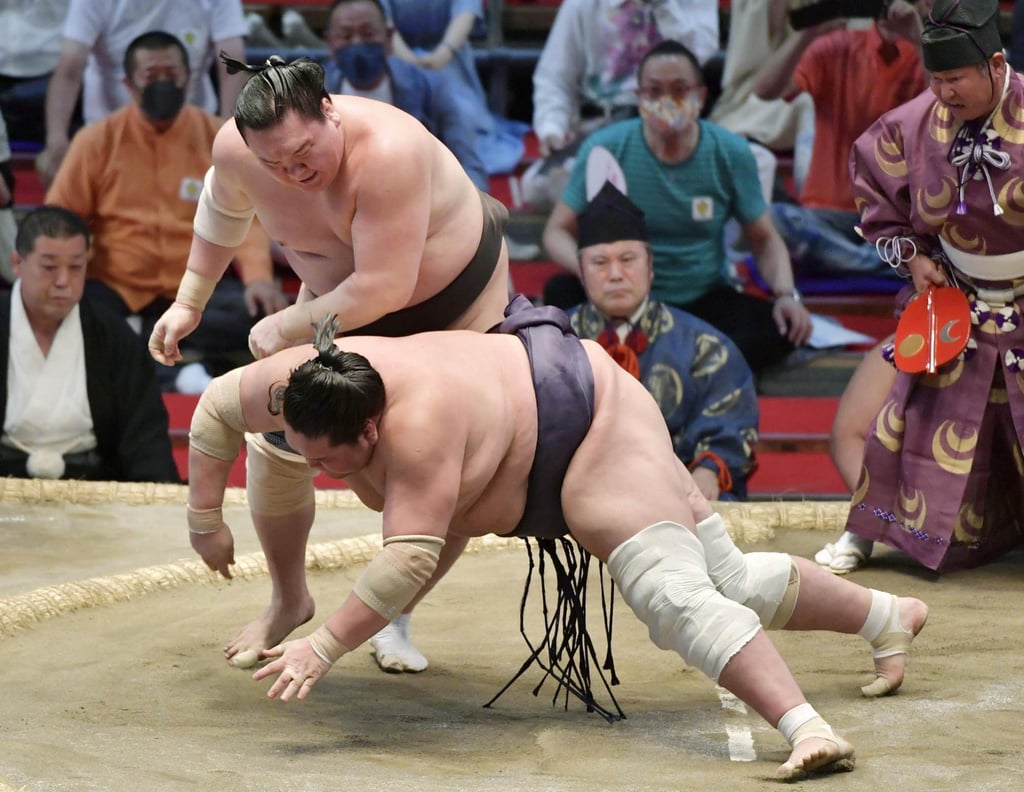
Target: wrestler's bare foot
{"x":817,"y":755}
{"x":277,"y":621}
{"x":394,"y":650}
{"x":913,"y":614}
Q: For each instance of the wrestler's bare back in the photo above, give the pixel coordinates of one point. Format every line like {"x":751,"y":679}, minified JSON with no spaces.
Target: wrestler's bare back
{"x":396,"y":186}
{"x":464,"y":403}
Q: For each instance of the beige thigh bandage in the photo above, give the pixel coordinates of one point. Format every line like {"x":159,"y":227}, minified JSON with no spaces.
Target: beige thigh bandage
{"x":218,"y":224}
{"x":767,"y":583}
{"x":663,"y":577}
{"x":277,"y":482}
{"x":398,"y":573}
{"x":217,"y":426}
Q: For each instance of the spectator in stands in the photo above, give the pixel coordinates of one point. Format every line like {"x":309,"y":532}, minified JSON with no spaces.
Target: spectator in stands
{"x":136,"y":177}
{"x":8,"y":228}
{"x":690,"y":177}
{"x":757,"y":28}
{"x":363,"y":65}
{"x":853,"y":76}
{"x":78,"y":394}
{"x":435,"y":34}
{"x":95,"y":37}
{"x":586,"y":75}
{"x":702,"y":384}
{"x":29,"y":50}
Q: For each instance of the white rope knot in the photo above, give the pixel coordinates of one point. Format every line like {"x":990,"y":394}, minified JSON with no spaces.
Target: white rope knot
{"x":897,"y":251}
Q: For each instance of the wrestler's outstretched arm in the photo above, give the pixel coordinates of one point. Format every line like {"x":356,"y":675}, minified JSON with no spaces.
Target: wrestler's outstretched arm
{"x":222,"y":222}
{"x":389,"y":233}
{"x":420,"y":499}
{"x":232,"y":404}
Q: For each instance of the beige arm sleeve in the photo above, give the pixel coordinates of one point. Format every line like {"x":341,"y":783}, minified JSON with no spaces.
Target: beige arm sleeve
{"x":217,"y":426}
{"x":218,"y":224}
{"x":397,"y":574}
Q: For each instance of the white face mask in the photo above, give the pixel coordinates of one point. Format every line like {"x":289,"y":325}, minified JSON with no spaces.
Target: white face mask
{"x":670,"y":114}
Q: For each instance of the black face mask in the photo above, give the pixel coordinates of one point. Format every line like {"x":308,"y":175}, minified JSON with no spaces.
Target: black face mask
{"x":162,"y":100}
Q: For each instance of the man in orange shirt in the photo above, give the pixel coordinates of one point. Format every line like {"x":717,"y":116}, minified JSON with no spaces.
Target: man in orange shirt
{"x":136,"y":177}
{"x":853,"y":76}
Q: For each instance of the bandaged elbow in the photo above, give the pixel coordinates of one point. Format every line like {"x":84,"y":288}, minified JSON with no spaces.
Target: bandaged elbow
{"x":217,"y":427}
{"x":398,"y":573}
{"x":218,"y":224}
{"x":662,"y":575}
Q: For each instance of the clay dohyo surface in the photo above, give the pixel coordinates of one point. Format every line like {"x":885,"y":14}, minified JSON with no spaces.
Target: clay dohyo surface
{"x":136,"y":695}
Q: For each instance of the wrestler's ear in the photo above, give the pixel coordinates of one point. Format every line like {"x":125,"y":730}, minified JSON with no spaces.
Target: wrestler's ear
{"x":370,"y":431}
{"x":330,"y":111}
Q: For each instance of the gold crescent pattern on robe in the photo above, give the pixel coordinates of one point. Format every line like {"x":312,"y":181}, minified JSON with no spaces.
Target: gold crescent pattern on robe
{"x":862,"y":486}
{"x":711,"y":354}
{"x":934,"y":208}
{"x":889,"y":426}
{"x":998,"y":395}
{"x":969,"y":525}
{"x":944,"y":378}
{"x":889,"y":155}
{"x":952,"y":451}
{"x":974,"y":244}
{"x":911,"y":508}
{"x":1018,"y":459}
{"x":941,"y":125}
{"x":1008,"y":123}
{"x":666,"y":386}
{"x":1018,"y":377}
{"x":723,"y":405}
{"x":1011,"y":199}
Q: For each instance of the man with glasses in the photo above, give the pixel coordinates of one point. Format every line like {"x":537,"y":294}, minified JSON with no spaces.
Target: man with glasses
{"x":690,"y":177}
{"x":938,"y":183}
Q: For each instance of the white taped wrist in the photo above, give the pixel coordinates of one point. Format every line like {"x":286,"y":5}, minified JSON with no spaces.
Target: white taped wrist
{"x":325,"y":645}
{"x":205,"y":521}
{"x":195,"y":290}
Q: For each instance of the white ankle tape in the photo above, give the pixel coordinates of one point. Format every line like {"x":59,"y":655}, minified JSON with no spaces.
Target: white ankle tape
{"x":878,"y":615}
{"x":801,"y":723}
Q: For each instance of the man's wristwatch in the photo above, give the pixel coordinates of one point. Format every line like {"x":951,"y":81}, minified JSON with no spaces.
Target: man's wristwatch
{"x":794,"y":294}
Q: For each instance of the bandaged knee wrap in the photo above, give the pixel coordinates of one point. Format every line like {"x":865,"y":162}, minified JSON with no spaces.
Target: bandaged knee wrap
{"x":277,"y":482}
{"x":218,"y":224}
{"x":217,"y":426}
{"x":767,"y":583}
{"x":662,"y":574}
{"x":398,"y":573}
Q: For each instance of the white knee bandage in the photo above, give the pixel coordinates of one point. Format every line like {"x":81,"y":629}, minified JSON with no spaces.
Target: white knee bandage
{"x":398,"y":573}
{"x":767,"y":583}
{"x":218,"y":224}
{"x":277,"y":483}
{"x":663,"y":577}
{"x":217,"y":426}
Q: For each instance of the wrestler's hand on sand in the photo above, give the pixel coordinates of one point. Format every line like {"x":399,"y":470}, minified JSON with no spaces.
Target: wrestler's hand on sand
{"x":792,"y":319}
{"x":298,"y":669}
{"x":265,"y":337}
{"x":176,"y":323}
{"x":926,"y":272}
{"x":217,"y":549}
